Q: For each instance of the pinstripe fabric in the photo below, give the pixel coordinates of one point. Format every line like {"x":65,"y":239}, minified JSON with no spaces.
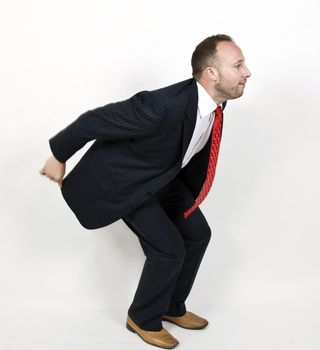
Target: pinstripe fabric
{"x":174,"y":248}
{"x":139,"y":146}
{"x":133,"y":171}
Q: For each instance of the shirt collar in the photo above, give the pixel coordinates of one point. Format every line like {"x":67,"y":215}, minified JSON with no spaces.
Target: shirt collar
{"x":206,"y":104}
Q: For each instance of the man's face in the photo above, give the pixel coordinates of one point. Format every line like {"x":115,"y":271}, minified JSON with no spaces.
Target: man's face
{"x":232,"y":71}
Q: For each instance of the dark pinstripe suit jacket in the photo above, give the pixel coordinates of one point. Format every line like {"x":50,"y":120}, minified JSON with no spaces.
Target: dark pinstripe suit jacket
{"x":139,"y":147}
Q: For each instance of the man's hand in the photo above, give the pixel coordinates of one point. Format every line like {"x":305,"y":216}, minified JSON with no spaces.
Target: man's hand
{"x":54,"y":170}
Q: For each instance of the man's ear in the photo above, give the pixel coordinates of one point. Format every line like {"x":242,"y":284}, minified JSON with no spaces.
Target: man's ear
{"x":211,"y":73}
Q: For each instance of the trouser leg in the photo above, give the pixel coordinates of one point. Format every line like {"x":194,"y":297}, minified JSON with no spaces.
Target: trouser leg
{"x":196,"y":235}
{"x":174,"y":248}
{"x":164,"y":251}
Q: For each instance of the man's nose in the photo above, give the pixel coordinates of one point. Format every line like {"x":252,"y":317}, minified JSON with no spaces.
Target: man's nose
{"x":247,"y":73}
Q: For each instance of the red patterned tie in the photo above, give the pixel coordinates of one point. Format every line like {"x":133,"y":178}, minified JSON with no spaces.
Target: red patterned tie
{"x":214,"y":151}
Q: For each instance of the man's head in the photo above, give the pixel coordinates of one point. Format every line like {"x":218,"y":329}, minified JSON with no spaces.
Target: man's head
{"x":218,"y":64}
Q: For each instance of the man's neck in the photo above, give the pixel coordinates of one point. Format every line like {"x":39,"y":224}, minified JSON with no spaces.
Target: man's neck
{"x":212,"y":93}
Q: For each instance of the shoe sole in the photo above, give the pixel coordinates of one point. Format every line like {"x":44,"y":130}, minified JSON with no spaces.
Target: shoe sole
{"x":194,"y":328}
{"x":162,"y":347}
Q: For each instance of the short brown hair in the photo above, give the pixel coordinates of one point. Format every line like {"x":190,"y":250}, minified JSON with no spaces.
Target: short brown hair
{"x":204,"y":54}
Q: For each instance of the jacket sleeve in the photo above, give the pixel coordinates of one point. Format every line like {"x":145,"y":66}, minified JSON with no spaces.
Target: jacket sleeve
{"x":136,"y":117}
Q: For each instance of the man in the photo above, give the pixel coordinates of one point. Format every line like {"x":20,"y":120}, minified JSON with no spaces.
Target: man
{"x":152,"y":164}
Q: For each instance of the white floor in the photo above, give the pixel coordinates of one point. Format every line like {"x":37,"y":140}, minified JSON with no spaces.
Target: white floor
{"x":268,"y":328}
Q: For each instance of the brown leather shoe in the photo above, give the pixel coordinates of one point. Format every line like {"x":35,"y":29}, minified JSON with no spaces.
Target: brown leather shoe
{"x":162,"y":339}
{"x":189,"y":321}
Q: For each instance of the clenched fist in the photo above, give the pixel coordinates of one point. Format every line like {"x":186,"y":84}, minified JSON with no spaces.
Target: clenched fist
{"x":54,"y":170}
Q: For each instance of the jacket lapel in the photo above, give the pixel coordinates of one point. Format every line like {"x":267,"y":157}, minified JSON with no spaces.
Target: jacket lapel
{"x":190,"y":119}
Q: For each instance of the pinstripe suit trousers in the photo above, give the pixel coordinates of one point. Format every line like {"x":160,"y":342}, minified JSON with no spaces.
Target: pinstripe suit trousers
{"x":174,"y":248}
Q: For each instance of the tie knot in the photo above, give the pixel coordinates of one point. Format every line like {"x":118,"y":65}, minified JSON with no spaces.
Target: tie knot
{"x":218,"y":111}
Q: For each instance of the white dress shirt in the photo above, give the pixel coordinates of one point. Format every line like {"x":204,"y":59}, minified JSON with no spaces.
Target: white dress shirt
{"x":204,"y":123}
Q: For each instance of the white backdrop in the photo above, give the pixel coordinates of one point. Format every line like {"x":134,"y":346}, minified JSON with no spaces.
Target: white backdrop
{"x":64,"y":286}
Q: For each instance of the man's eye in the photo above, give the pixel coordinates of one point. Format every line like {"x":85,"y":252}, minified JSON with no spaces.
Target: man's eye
{"x":238,"y":65}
